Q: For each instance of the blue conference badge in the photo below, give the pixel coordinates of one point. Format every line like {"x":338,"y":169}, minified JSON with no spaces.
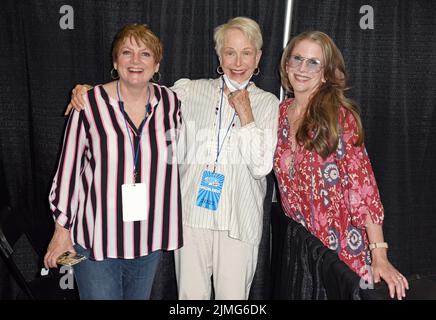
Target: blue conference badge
{"x":210,"y":189}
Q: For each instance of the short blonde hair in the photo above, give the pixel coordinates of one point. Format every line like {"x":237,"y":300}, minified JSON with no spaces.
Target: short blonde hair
{"x":141,"y":33}
{"x":248,"y":26}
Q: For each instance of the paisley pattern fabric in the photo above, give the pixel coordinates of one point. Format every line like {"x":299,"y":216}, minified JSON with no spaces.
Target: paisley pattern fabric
{"x":331,"y":197}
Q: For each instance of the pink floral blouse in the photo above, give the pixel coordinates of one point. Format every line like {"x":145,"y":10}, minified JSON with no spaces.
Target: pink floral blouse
{"x":330,"y":197}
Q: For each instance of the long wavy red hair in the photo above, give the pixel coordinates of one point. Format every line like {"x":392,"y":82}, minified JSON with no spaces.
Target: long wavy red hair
{"x":320,"y":127}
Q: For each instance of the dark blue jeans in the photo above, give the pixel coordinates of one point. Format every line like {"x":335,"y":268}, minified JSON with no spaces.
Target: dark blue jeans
{"x":116,"y":279}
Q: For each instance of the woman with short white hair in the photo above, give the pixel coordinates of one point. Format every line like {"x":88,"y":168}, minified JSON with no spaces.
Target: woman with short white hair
{"x":222,"y":225}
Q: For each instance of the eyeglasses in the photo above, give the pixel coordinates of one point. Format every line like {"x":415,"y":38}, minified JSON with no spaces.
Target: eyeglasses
{"x":312,"y":65}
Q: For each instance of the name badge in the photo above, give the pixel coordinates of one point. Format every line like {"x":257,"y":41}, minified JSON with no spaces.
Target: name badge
{"x":210,"y":189}
{"x":134,"y":199}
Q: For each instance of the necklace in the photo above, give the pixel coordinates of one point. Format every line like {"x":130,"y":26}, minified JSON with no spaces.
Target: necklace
{"x":136,"y":173}
{"x":291,"y":138}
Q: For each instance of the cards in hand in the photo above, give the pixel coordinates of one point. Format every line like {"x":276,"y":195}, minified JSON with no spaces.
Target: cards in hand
{"x":69,"y":259}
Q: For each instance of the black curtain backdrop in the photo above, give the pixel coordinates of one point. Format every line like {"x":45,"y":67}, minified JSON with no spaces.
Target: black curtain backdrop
{"x":41,"y":63}
{"x":391,"y":71}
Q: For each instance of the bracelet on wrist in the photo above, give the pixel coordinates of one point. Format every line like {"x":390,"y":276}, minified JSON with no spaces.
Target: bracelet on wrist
{"x":377,"y":245}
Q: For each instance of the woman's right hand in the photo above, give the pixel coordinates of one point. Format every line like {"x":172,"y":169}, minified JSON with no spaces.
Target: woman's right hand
{"x":77,"y":102}
{"x":60,"y":243}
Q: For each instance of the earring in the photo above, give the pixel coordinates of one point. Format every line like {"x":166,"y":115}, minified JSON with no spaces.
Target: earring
{"x":115,"y":77}
{"x":256,"y":71}
{"x":158,"y":79}
{"x":219,"y":70}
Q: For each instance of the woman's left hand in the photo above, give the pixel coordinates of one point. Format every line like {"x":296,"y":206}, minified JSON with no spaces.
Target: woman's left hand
{"x":397,"y":283}
{"x":240,"y":101}
{"x":60,"y":243}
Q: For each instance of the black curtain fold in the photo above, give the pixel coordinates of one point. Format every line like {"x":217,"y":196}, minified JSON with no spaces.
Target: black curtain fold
{"x":304,"y":269}
{"x":15,"y":115}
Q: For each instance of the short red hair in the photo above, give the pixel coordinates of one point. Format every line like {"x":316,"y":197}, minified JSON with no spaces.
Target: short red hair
{"x":141,"y":33}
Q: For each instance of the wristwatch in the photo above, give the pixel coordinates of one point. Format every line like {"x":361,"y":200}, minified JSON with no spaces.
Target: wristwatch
{"x":375,"y":245}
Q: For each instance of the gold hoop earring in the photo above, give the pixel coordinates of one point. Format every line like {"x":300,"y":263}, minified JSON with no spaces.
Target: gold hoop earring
{"x":156,"y":80}
{"x":219,"y":70}
{"x":256,"y":71}
{"x":112,"y":74}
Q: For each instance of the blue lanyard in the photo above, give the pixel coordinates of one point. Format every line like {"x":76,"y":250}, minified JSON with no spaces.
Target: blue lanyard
{"x":218,"y":149}
{"x":147,"y":111}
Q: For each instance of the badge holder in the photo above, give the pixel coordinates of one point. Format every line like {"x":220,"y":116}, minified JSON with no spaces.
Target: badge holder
{"x":209,"y":193}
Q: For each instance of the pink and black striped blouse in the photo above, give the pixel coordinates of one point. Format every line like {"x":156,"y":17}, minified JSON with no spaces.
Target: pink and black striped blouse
{"x":97,"y":159}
